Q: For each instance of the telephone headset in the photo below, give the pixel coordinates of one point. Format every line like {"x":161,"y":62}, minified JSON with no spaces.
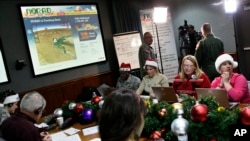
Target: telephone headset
{"x":38,"y":110}
{"x":9,"y":105}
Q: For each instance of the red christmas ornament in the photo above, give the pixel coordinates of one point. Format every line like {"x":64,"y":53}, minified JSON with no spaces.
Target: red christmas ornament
{"x":213,"y":139}
{"x":245,"y":115}
{"x":155,"y":135}
{"x":199,"y":112}
{"x":96,"y":99}
{"x":78,"y":108}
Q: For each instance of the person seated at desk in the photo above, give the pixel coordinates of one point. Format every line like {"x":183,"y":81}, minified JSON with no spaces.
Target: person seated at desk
{"x":153,"y":79}
{"x":20,"y":127}
{"x":8,"y":104}
{"x":126,"y":79}
{"x":122,"y":116}
{"x":190,"y":77}
{"x":234,"y":83}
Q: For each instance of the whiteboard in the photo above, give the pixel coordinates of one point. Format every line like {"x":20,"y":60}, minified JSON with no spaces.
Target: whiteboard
{"x":127,"y":48}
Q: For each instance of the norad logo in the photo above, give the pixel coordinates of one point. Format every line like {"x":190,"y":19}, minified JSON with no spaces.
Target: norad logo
{"x":33,"y":11}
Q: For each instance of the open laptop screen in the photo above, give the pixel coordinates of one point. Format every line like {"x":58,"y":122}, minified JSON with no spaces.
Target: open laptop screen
{"x":220,"y":95}
{"x":165,"y":94}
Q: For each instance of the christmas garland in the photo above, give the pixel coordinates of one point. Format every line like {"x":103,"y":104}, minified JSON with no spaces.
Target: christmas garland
{"x":206,"y":119}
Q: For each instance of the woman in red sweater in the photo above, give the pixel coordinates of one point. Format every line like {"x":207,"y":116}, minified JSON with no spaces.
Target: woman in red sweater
{"x":190,"y":77}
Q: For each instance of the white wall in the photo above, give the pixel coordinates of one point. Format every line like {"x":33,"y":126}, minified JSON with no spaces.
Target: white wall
{"x":197,"y":12}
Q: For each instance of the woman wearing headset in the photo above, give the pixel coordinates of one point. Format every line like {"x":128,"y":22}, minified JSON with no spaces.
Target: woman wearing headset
{"x":8,"y":104}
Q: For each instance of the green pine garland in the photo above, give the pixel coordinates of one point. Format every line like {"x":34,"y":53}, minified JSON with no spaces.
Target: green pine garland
{"x":86,"y":105}
{"x":216,"y":126}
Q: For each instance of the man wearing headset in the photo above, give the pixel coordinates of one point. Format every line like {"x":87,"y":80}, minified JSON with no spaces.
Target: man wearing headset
{"x":20,"y":127}
{"x":8,"y":104}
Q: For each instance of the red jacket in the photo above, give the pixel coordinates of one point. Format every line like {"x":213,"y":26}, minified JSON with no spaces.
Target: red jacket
{"x":188,"y":86}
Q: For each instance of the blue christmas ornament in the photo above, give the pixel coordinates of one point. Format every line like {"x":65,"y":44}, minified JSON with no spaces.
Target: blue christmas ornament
{"x":87,"y":115}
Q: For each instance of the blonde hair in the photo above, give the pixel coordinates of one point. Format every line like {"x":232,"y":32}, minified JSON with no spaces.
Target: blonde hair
{"x":198,"y":72}
{"x":155,"y":68}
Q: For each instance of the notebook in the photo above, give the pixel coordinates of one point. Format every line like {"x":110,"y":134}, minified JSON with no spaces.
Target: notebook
{"x":165,"y":94}
{"x":220,"y":95}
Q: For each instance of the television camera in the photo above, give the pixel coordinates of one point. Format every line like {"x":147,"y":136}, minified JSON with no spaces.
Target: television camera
{"x":188,"y":38}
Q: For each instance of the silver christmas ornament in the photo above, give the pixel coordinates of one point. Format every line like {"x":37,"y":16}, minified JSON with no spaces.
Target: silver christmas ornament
{"x":179,"y":126}
{"x":72,"y":106}
{"x":58,"y":112}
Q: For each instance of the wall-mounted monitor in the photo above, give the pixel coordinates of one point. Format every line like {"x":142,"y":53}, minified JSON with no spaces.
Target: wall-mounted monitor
{"x":62,"y":36}
{"x":4,"y":76}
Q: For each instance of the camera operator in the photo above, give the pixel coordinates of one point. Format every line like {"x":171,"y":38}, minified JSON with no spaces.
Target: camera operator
{"x":194,"y":37}
{"x":188,"y":38}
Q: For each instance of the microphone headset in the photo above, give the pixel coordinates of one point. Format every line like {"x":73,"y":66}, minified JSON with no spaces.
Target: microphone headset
{"x":38,"y":110}
{"x":193,"y":76}
{"x":9,"y":105}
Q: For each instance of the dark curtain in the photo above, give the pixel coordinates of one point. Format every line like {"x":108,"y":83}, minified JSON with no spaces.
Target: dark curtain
{"x":126,"y":14}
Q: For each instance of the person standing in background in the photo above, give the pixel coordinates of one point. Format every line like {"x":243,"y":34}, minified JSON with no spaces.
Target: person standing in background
{"x":126,"y":79}
{"x":146,"y":52}
{"x":207,"y":50}
{"x":192,"y":38}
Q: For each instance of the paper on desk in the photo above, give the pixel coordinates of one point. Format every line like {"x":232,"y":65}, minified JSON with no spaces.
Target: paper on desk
{"x":71,"y":131}
{"x":90,"y":130}
{"x":96,"y":139}
{"x":41,"y":125}
{"x":60,"y":136}
{"x":73,"y":138}
{"x":101,"y":89}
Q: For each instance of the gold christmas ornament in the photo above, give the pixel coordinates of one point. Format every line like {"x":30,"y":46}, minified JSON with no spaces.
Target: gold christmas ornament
{"x":162,"y":112}
{"x":177,"y":106}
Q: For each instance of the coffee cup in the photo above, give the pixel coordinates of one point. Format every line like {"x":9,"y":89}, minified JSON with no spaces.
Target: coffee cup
{"x":59,"y":121}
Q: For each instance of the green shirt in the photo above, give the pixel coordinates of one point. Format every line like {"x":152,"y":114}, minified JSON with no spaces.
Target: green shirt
{"x":145,"y":52}
{"x":207,"y":51}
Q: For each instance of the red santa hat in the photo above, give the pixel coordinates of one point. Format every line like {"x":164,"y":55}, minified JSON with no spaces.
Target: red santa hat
{"x":151,"y":62}
{"x":125,"y":67}
{"x":222,"y":58}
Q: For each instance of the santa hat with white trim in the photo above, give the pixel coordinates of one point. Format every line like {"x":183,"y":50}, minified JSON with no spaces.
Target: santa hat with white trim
{"x":125,"y":67}
{"x":222,"y":58}
{"x":151,"y":62}
{"x":11,"y":99}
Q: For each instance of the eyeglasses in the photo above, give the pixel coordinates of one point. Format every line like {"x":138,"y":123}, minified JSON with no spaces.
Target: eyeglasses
{"x":187,"y":66}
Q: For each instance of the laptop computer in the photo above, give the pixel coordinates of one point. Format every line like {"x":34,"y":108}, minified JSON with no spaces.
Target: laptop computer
{"x":165,"y":94}
{"x":220,"y":95}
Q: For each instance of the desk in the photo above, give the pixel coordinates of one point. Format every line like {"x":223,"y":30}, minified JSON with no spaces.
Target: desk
{"x":83,"y":126}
